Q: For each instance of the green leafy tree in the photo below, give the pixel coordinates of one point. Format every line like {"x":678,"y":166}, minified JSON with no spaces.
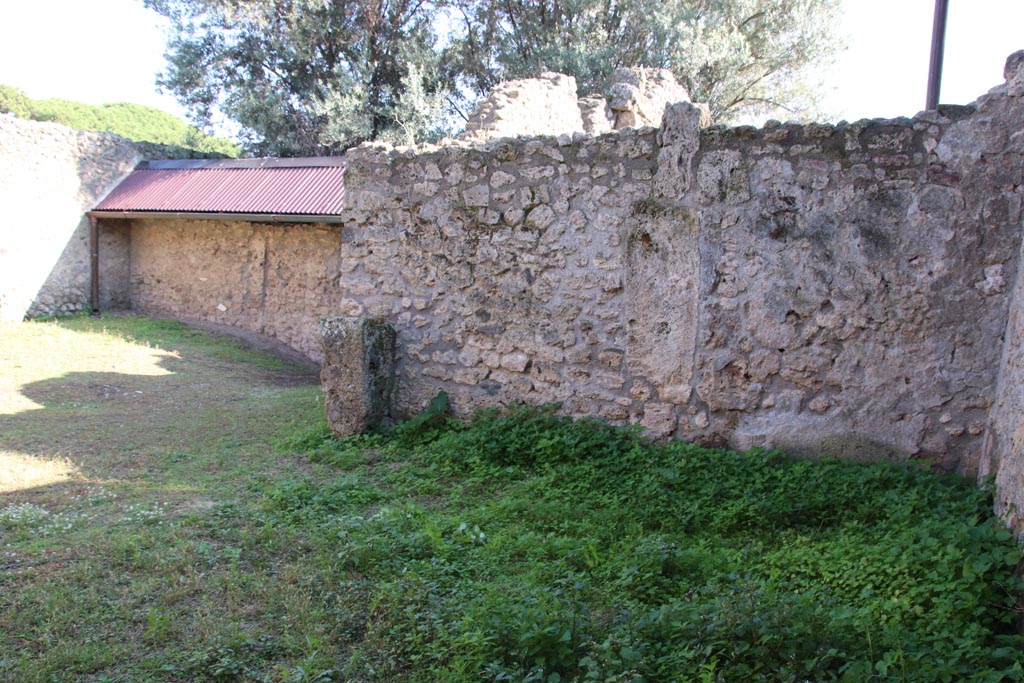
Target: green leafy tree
{"x":318,"y":76}
{"x":307,"y":76}
{"x":14,"y":101}
{"x":69,"y":113}
{"x":132,"y":121}
{"x":739,"y":56}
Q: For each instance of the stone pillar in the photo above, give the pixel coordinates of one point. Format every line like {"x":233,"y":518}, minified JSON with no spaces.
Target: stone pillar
{"x":679,"y":140}
{"x":358,"y":373}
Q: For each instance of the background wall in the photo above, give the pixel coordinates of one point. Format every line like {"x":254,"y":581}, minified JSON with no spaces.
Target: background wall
{"x":50,"y":176}
{"x":277,"y":280}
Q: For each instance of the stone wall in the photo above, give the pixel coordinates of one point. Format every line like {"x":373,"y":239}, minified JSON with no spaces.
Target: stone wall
{"x":531,"y":106}
{"x":50,"y":175}
{"x":825,"y":289}
{"x":998,"y":153}
{"x":274,"y":279}
{"x":849,"y":290}
{"x":1003,"y":460}
{"x":547,"y":105}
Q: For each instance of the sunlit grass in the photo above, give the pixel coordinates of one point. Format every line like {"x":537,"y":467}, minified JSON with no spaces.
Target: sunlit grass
{"x":37,"y":351}
{"x":23,"y":471}
{"x":132,"y":455}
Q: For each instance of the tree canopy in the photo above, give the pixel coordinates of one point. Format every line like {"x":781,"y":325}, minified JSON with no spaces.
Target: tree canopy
{"x":305,"y":76}
{"x":739,"y":56}
{"x":14,"y":101}
{"x":318,"y":76}
{"x":132,"y":121}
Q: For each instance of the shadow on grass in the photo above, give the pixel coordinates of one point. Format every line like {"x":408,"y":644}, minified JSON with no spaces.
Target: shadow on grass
{"x":139,"y":551}
{"x":187,"y":403}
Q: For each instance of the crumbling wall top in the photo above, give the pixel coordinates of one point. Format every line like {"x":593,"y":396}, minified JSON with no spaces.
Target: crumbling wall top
{"x":548,"y":105}
{"x":545,"y":105}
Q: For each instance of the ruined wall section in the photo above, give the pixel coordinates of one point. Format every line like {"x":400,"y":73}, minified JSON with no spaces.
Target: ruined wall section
{"x":500,"y":266}
{"x":853,"y":289}
{"x":545,"y":105}
{"x":50,"y":175}
{"x":831,"y":290}
{"x":275,"y":279}
{"x":1002,"y":463}
{"x":994,"y":149}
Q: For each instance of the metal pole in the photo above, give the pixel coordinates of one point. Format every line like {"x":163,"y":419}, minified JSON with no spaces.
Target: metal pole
{"x":94,"y":263}
{"x":938,"y":45}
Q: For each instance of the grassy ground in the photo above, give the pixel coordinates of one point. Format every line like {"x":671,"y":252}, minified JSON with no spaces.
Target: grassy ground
{"x":133,"y":456}
{"x":172,"y":508}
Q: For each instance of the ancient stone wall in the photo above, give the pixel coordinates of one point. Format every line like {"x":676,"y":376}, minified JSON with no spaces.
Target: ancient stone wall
{"x":997,"y":153}
{"x":1003,"y":459}
{"x":548,"y":105}
{"x":847,"y":290}
{"x":825,"y":289}
{"x":50,"y":175}
{"x":531,"y":106}
{"x":274,"y":279}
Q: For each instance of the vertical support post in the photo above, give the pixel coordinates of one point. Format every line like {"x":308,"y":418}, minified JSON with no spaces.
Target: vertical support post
{"x":938,"y":47}
{"x":94,"y":264}
{"x":358,"y":374}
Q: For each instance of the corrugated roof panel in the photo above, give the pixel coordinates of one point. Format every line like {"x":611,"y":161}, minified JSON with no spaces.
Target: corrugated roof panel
{"x":316,"y":189}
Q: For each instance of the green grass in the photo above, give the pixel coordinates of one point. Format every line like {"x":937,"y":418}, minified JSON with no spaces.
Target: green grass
{"x":133,"y":458}
{"x":211,"y":529}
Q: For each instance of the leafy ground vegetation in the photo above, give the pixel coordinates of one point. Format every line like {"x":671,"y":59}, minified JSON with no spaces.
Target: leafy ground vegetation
{"x":179,"y":512}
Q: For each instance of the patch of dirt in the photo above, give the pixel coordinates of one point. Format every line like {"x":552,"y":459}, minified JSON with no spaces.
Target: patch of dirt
{"x":112,"y":391}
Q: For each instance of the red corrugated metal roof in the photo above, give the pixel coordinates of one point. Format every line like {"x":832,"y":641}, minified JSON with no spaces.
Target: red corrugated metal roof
{"x":307,"y":187}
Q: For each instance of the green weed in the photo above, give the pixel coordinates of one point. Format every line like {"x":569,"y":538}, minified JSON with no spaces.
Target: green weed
{"x":525,"y":546}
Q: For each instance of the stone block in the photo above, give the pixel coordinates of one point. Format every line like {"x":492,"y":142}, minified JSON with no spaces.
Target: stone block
{"x":679,"y":140}
{"x":358,"y":374}
{"x":1013,"y":72}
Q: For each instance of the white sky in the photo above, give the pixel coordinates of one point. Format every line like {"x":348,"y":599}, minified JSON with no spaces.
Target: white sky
{"x":101,"y":51}
{"x":884,"y":71}
{"x":94,"y":51}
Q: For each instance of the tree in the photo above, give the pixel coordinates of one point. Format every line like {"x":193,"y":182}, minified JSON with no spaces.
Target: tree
{"x":132,"y":121}
{"x":318,"y":76}
{"x":14,"y":101}
{"x":739,"y":56}
{"x":306,"y":76}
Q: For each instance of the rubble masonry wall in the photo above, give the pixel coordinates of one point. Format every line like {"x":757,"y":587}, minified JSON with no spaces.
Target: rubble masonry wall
{"x":837,"y":290}
{"x":50,"y":175}
{"x":274,"y":279}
